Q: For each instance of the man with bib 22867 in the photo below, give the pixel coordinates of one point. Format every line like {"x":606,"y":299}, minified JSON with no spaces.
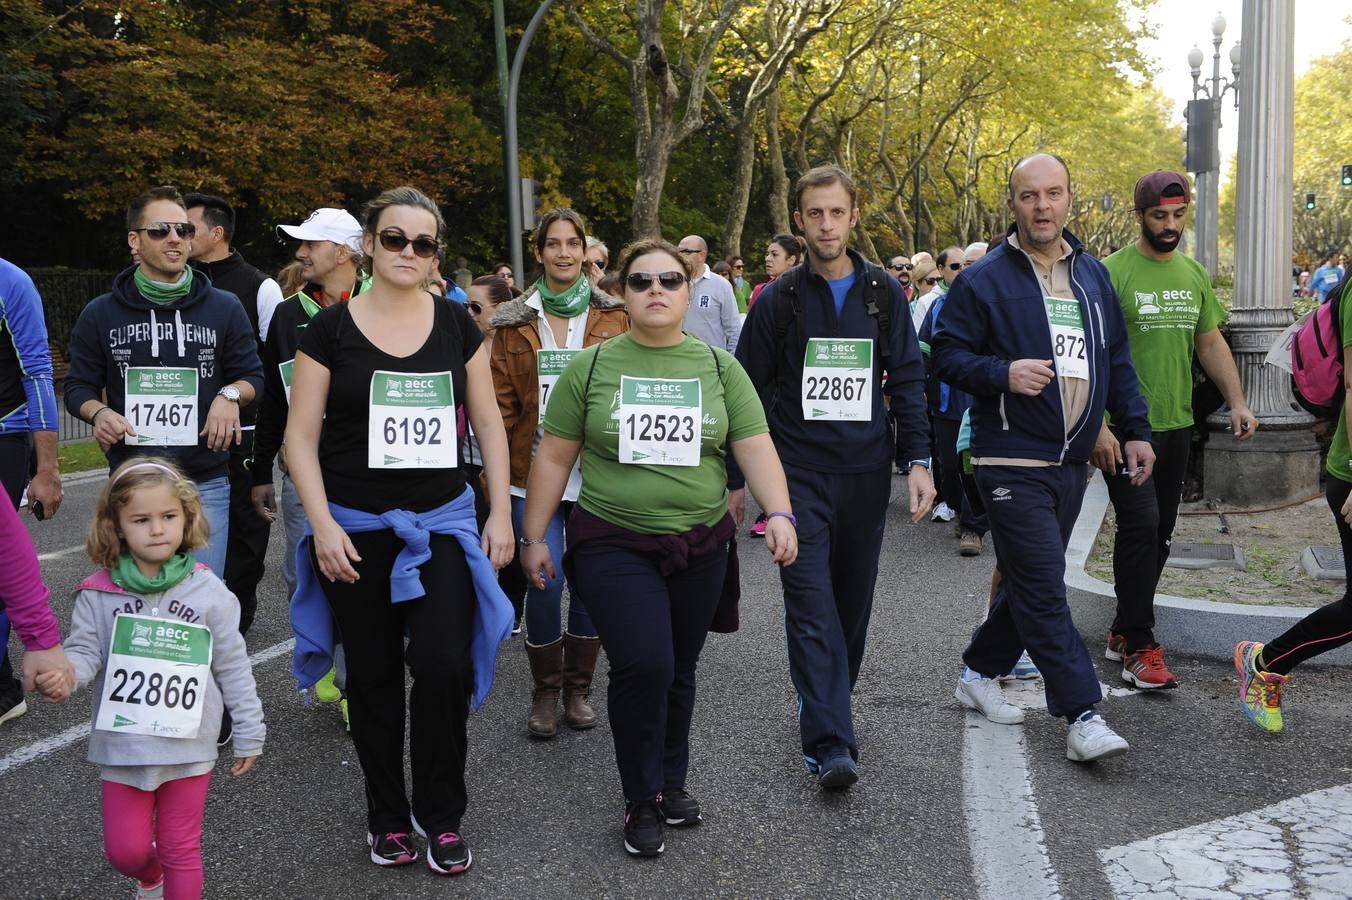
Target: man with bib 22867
{"x":1171,"y":312}
{"x":817,"y":344}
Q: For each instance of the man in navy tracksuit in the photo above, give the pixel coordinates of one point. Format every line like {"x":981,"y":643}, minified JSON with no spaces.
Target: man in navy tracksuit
{"x":817,"y":344}
{"x":1035,"y":332}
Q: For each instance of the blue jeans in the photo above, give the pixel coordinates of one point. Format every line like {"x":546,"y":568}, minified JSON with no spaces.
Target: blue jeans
{"x":215,"y":496}
{"x":543,"y":608}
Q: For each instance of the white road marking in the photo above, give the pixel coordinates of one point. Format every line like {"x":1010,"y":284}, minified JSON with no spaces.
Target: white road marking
{"x":77,"y":733}
{"x":57,"y":554}
{"x":1300,"y":847}
{"x":1004,"y":831}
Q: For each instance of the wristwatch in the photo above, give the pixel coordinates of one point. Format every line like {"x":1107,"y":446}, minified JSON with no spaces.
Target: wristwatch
{"x":229,"y":392}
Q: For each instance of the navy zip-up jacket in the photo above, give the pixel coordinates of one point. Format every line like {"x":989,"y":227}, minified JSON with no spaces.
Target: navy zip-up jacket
{"x":207,"y":330}
{"x":994,"y":315}
{"x":843,"y":447}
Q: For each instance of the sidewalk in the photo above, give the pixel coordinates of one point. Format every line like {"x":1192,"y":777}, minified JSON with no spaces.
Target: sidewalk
{"x":1276,"y":591}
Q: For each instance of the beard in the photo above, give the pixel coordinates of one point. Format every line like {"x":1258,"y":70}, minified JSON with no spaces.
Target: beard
{"x":1161,"y":242}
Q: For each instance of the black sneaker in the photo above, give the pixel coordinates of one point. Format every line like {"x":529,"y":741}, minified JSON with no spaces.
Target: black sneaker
{"x":12,"y":702}
{"x":839,"y":770}
{"x":392,"y":849}
{"x":448,"y":853}
{"x":679,"y":808}
{"x":643,"y":828}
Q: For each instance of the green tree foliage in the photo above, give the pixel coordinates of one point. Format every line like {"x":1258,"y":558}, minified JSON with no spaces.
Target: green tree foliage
{"x":284,"y":106}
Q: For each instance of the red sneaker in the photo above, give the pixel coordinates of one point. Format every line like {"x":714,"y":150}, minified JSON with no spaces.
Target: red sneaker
{"x":1146,"y":669}
{"x":1117,"y":646}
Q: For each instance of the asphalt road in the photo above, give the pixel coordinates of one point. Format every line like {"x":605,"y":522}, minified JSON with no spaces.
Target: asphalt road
{"x":544,"y":817}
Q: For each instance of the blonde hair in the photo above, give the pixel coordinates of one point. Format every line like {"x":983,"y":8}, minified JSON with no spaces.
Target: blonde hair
{"x":103,"y":544}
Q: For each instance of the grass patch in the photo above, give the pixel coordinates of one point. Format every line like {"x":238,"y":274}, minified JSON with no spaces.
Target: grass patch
{"x":80,"y":456}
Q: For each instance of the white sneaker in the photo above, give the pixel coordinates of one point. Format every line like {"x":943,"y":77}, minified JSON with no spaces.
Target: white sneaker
{"x":984,"y":695}
{"x":155,"y":892}
{"x":1091,"y":738}
{"x":943,"y":513}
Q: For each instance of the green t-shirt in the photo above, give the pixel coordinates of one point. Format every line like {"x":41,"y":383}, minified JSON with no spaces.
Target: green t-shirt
{"x":653,"y":499}
{"x":1166,"y":304}
{"x":1337,"y":464}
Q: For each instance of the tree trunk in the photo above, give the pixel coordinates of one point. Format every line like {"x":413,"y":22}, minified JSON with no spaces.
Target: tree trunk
{"x":779,"y":178}
{"x":740,"y":197}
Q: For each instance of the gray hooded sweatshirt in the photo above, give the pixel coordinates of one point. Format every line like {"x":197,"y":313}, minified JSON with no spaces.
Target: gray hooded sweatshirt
{"x":147,"y":761}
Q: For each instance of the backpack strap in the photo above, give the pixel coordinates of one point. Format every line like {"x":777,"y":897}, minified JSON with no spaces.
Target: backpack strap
{"x":586,"y":387}
{"x":878,"y":301}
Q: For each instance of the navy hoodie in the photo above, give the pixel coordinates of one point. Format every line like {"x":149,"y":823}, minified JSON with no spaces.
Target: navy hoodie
{"x":207,"y":330}
{"x":993,"y":315}
{"x":842,"y":447}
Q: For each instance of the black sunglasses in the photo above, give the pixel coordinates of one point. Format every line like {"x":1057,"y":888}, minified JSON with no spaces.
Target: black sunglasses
{"x":933,"y":279}
{"x":396,"y":241}
{"x":955,"y":266}
{"x":904,"y":267}
{"x":158,"y":231}
{"x":642,"y":281}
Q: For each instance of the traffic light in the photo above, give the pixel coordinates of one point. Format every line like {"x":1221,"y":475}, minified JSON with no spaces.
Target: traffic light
{"x":1309,"y":201}
{"x":1347,"y":175}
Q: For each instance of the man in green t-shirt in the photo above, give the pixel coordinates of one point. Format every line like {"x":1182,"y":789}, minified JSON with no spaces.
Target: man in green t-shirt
{"x":1170,"y":311}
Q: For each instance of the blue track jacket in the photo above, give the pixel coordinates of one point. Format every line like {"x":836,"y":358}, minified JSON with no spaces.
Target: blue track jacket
{"x":312,"y":620}
{"x":994,"y":314}
{"x":27,"y":398}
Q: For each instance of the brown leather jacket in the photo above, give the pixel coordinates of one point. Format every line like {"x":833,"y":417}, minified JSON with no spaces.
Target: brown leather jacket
{"x":515,"y":376}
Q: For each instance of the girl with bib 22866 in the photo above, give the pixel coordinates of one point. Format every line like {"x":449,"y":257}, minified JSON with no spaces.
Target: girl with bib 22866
{"x":374,"y":440}
{"x":158,"y":635}
{"x":655,"y":411}
{"x":536,"y":337}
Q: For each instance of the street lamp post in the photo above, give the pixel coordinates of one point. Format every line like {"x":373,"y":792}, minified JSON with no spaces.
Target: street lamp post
{"x":1281,"y":463}
{"x":515,"y":214}
{"x":1206,"y":223}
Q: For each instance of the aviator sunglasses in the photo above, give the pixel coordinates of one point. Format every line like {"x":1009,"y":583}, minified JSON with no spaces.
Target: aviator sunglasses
{"x":642,"y":281}
{"x":396,"y":241}
{"x":158,"y":231}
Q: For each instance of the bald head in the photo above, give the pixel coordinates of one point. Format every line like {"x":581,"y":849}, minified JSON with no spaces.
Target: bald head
{"x":1038,"y":165}
{"x":694,"y":250}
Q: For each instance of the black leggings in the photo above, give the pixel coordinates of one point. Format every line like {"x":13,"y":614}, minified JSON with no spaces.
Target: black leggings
{"x":1329,"y":626}
{"x":438,"y":627}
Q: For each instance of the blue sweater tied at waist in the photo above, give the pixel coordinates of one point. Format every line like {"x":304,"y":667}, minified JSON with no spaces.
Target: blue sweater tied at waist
{"x":312,"y":619}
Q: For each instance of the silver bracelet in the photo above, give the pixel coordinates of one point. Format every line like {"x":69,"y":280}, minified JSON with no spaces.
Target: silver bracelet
{"x":525,"y":542}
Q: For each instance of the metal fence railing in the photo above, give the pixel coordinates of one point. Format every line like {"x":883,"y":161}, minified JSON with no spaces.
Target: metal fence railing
{"x":65,"y":292}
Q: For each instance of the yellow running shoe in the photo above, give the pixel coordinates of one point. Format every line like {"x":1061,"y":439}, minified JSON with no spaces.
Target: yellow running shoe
{"x":1260,"y":693}
{"x":325,"y":690}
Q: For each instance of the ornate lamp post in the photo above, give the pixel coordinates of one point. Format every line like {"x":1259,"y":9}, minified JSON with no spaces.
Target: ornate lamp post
{"x":1281,"y":463}
{"x":1204,"y":115}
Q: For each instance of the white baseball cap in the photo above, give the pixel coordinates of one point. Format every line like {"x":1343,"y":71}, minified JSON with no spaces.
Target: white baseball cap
{"x":327,"y":224}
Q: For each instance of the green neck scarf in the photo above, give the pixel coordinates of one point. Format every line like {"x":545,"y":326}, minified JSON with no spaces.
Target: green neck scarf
{"x":569,"y":303}
{"x":308,"y":304}
{"x":128,"y":576}
{"x":160,"y":293}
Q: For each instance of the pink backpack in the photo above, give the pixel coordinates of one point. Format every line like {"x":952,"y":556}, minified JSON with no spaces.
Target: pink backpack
{"x":1317,"y":359}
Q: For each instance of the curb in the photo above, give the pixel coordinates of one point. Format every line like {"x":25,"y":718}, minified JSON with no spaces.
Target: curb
{"x":1195,"y":627}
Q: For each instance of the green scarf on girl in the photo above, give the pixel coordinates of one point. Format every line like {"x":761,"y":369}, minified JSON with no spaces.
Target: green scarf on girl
{"x":128,"y":576}
{"x":568,"y":303}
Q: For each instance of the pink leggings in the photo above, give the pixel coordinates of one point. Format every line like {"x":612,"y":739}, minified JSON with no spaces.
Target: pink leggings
{"x":176,"y":807}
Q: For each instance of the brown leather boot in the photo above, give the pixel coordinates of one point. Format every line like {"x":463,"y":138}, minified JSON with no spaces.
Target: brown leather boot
{"x":546,"y":666}
{"x":579,"y":662}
